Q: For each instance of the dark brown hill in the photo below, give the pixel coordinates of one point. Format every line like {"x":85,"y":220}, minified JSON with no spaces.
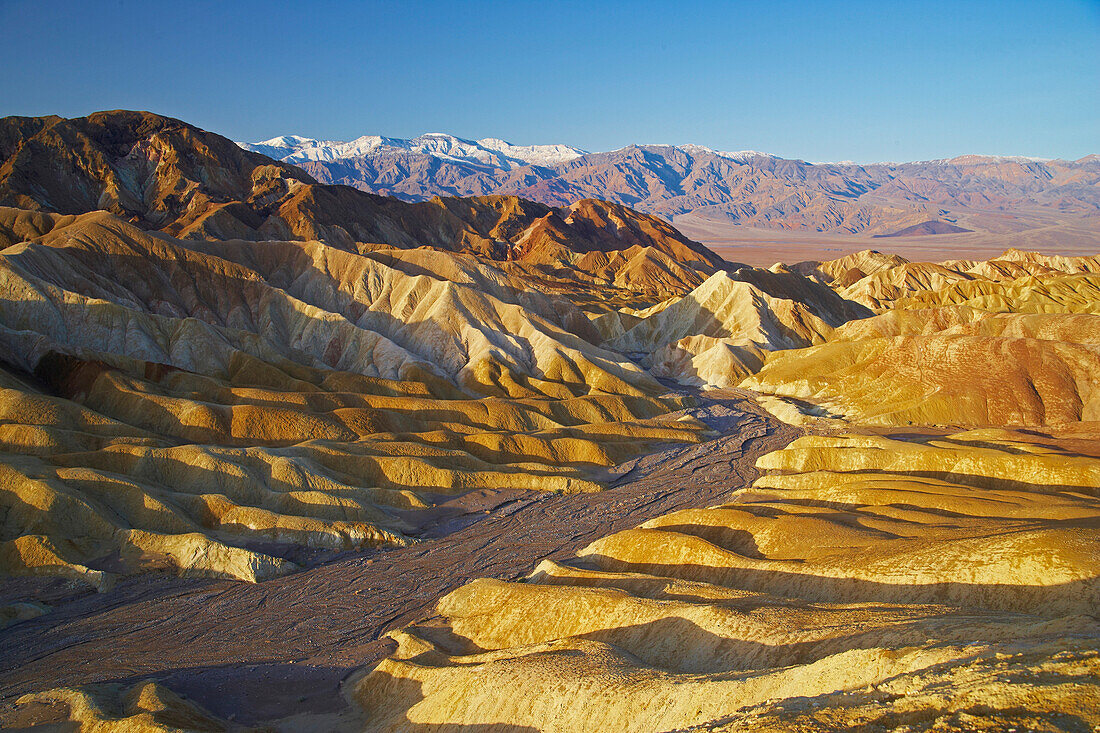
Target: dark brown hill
{"x":164,"y":174}
{"x":158,"y":172}
{"x":928,"y":227}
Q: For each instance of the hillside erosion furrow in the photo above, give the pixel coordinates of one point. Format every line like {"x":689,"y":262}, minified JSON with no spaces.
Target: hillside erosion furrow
{"x":227,"y":645}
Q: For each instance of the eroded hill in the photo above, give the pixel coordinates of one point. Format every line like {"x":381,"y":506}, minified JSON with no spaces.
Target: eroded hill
{"x":214,"y":407}
{"x":866,"y":582}
{"x":218,"y":366}
{"x":1011,"y":341}
{"x":212,"y":365}
{"x":932,"y":578}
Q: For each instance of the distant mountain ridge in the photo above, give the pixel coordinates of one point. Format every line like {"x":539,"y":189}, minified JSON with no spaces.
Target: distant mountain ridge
{"x":165,"y":175}
{"x":490,"y":152}
{"x":748,"y":187}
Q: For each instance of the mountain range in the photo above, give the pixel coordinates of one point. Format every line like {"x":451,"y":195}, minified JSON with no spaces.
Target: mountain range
{"x":490,"y":152}
{"x":971,"y":192}
{"x":163,"y":174}
{"x":290,"y":455}
{"x":186,"y":292}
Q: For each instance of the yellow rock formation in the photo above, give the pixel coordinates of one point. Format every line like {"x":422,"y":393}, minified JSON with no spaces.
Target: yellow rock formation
{"x":1014,"y":282}
{"x":1013,"y":341}
{"x":145,"y":707}
{"x":719,"y":332}
{"x":941,"y":379}
{"x":864,"y":580}
{"x":217,"y":408}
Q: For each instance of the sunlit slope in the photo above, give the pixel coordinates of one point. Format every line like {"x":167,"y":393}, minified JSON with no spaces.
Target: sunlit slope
{"x":165,"y":175}
{"x":859,"y":565}
{"x":720,"y":332}
{"x":1012,"y":341}
{"x":1014,"y":282}
{"x":943,"y":379}
{"x":116,"y":708}
{"x":1050,"y":293}
{"x":224,"y":408}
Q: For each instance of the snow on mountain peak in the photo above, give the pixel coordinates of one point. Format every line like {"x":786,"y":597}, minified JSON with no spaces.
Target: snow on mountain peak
{"x":983,"y":158}
{"x":693,"y":149}
{"x":546,"y":155}
{"x":743,"y":154}
{"x":490,"y":152}
{"x":287,"y":141}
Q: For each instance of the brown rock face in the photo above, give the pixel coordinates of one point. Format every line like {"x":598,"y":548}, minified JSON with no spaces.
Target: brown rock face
{"x":213,"y":366}
{"x":159,"y":172}
{"x":164,"y":174}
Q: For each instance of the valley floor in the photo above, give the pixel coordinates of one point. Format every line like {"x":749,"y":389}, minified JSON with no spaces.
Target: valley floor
{"x":253,"y":652}
{"x":764,"y":247}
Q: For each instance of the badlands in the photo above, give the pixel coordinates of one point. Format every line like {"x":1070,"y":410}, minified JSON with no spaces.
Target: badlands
{"x":282,"y":455}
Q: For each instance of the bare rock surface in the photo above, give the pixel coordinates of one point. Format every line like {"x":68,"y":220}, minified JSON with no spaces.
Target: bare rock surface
{"x":254,"y":652}
{"x":864,"y":582}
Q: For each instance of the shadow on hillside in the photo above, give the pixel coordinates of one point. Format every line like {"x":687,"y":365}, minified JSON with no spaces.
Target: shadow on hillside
{"x":1079,"y":596}
{"x":390,"y":698}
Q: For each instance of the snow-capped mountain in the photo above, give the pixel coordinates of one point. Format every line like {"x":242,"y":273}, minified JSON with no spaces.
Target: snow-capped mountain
{"x":739,"y":155}
{"x":490,"y":152}
{"x":745,"y":186}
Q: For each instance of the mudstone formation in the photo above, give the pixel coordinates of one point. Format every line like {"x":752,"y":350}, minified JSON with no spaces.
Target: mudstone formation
{"x":216,"y":366}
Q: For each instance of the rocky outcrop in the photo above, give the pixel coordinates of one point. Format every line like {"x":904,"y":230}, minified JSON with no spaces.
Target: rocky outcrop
{"x":718,"y":333}
{"x":163,"y":174}
{"x":234,"y":408}
{"x":862,"y":571}
{"x":1012,"y":341}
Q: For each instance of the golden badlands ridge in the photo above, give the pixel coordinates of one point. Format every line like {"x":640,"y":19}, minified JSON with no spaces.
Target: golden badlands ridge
{"x":231,"y":395}
{"x":870,"y":579}
{"x":171,"y":401}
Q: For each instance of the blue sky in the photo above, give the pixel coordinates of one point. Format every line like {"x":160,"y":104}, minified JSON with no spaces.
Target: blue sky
{"x":864,"y":81}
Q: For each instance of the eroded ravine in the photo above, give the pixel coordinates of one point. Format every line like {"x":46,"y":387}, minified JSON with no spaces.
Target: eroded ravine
{"x":261,"y":651}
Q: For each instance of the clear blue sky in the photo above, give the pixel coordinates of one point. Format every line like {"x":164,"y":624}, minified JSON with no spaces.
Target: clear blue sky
{"x":864,"y":81}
